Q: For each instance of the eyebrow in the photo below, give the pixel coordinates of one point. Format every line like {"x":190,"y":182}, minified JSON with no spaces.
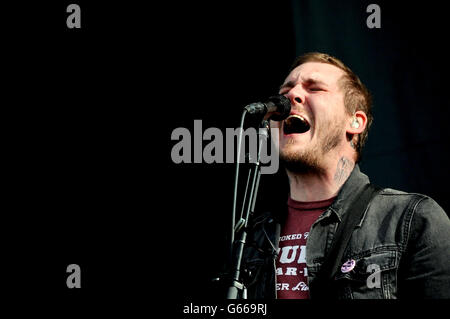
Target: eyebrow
{"x":308,"y":81}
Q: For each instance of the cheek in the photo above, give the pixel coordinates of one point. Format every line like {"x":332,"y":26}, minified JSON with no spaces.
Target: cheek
{"x":328,"y":111}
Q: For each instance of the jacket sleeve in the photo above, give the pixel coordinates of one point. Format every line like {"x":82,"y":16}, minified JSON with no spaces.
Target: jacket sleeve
{"x":425,"y":269}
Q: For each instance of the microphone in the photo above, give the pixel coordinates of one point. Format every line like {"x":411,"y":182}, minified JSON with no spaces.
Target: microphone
{"x":277,"y":108}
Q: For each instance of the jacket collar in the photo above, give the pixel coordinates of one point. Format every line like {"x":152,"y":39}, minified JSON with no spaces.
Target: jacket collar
{"x":343,"y":202}
{"x":349,"y":191}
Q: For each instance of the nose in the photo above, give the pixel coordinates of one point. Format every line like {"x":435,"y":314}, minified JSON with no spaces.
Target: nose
{"x":295,"y":96}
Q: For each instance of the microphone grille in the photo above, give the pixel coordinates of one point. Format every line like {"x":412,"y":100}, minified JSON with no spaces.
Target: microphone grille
{"x":283,"y":107}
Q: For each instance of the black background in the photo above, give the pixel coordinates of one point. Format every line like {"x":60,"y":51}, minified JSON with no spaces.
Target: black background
{"x":90,"y":112}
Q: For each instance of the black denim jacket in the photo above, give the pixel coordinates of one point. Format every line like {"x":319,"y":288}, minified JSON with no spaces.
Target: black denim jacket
{"x":401,"y":247}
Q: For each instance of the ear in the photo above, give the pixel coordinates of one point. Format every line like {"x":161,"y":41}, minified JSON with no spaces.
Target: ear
{"x":361,"y":119}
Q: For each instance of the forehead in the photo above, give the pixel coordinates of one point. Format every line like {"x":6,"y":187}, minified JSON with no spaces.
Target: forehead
{"x":317,"y":71}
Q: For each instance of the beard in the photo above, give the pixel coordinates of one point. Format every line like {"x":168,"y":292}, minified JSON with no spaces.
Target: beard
{"x":309,"y":160}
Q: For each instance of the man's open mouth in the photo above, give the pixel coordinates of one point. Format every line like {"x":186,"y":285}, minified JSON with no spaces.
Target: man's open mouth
{"x":295,"y":124}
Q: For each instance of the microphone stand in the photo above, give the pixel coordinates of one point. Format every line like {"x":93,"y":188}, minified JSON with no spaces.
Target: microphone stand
{"x":237,"y":288}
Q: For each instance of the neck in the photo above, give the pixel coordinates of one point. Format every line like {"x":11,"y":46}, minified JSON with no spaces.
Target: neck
{"x":325,"y":184}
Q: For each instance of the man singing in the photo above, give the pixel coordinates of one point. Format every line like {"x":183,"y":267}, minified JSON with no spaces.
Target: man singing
{"x":397,"y":244}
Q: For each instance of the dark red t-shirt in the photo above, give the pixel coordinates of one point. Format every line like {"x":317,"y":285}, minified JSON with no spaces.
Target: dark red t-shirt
{"x":291,"y":269}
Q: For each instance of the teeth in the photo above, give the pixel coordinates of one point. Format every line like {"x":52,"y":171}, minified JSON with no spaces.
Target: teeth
{"x":297,"y":116}
{"x":295,"y":124}
{"x":301,"y":118}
